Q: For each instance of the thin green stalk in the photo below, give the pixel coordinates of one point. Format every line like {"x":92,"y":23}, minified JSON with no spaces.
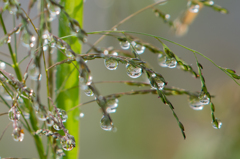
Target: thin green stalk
{"x":68,"y":99}
{"x":33,"y":118}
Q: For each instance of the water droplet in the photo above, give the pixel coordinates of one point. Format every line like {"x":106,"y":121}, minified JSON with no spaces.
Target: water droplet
{"x":56,"y":127}
{"x":46,"y":34}
{"x":34,"y":72}
{"x":112,"y":104}
{"x":2,"y":65}
{"x":164,"y":61}
{"x":14,"y":114}
{"x":41,"y":114}
{"x":60,"y":153}
{"x":111,"y":64}
{"x":167,"y":16}
{"x":27,"y":39}
{"x":217,"y":124}
{"x":8,"y":39}
{"x":68,"y":53}
{"x":18,"y":134}
{"x":195,"y":103}
{"x":68,"y":142}
{"x":193,"y":7}
{"x":49,"y":122}
{"x":63,"y":114}
{"x":106,"y":123}
{"x":81,"y":115}
{"x":105,"y":52}
{"x":12,"y":9}
{"x":17,"y":31}
{"x":124,"y":45}
{"x":204,"y":99}
{"x":87,"y":80}
{"x":88,"y":91}
{"x":209,"y":2}
{"x":54,"y":10}
{"x":159,"y":82}
{"x":133,"y":72}
{"x":139,"y":48}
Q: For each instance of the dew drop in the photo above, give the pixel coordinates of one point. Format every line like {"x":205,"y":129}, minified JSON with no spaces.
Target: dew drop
{"x":159,"y":82}
{"x":45,"y":45}
{"x":54,"y":10}
{"x":34,"y":72}
{"x":217,"y":124}
{"x":111,"y":64}
{"x":88,"y":91}
{"x":139,"y":48}
{"x":8,"y":39}
{"x":56,"y":127}
{"x":41,"y":114}
{"x":81,"y":115}
{"x":49,"y":122}
{"x":27,"y":39}
{"x":68,"y":142}
{"x":2,"y":65}
{"x":68,"y":53}
{"x":112,"y":104}
{"x":194,"y":8}
{"x":63,"y":114}
{"x":204,"y":99}
{"x":195,"y":103}
{"x":167,"y":62}
{"x":18,"y":134}
{"x":14,"y":116}
{"x":133,"y":72}
{"x":124,"y":45}
{"x":106,"y":123}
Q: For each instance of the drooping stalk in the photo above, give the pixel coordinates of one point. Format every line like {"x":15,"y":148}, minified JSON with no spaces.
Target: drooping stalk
{"x":68,"y":99}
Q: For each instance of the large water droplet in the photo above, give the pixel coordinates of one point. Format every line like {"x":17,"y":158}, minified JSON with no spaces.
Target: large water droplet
{"x":159,"y":82}
{"x":34,"y":72}
{"x":133,"y":72}
{"x":54,"y":10}
{"x":124,"y":45}
{"x":18,"y":134}
{"x":111,"y":64}
{"x":68,"y":142}
{"x":106,"y":123}
{"x":88,"y":91}
{"x":217,"y":124}
{"x":164,"y":61}
{"x":112,"y":104}
{"x":204,"y":99}
{"x":2,"y":65}
{"x":14,"y":114}
{"x":56,"y":127}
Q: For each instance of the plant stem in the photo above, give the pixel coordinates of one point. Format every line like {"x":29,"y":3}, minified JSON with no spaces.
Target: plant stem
{"x":68,"y":99}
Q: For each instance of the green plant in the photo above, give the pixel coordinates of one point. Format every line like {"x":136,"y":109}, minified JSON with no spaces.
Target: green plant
{"x":70,"y":65}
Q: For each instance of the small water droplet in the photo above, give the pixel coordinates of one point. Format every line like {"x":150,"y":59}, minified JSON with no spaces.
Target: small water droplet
{"x":63,"y":114}
{"x":34,"y":72}
{"x":167,"y":16}
{"x":112,"y":104}
{"x":88,"y":91}
{"x":105,"y":123}
{"x":27,"y":39}
{"x":68,"y":142}
{"x":139,"y":48}
{"x":159,"y":82}
{"x":54,"y":10}
{"x":45,"y":45}
{"x":2,"y":65}
{"x":46,"y":34}
{"x":17,"y":31}
{"x":217,"y":124}
{"x":87,"y":80}
{"x":56,"y":127}
{"x":195,"y":103}
{"x":41,"y":114}
{"x":124,"y":45}
{"x":49,"y":122}
{"x":14,"y":114}
{"x":81,"y":115}
{"x":8,"y":39}
{"x":111,"y":64}
{"x":18,"y":134}
{"x":193,"y":7}
{"x":12,"y":9}
{"x":204,"y":99}
{"x":68,"y":53}
{"x":105,"y":52}
{"x":164,"y":61}
{"x":133,"y":72}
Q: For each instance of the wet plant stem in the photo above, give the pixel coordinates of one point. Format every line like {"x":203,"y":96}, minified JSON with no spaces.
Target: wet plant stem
{"x":68,"y":99}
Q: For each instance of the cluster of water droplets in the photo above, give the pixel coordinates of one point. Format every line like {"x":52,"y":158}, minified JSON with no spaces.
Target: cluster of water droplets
{"x":110,"y":63}
{"x":54,"y":10}
{"x":165,"y":61}
{"x":198,"y":102}
{"x":133,"y":72}
{"x":193,"y":7}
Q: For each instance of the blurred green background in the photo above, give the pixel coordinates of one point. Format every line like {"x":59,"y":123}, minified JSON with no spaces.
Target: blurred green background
{"x":146,"y":128}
